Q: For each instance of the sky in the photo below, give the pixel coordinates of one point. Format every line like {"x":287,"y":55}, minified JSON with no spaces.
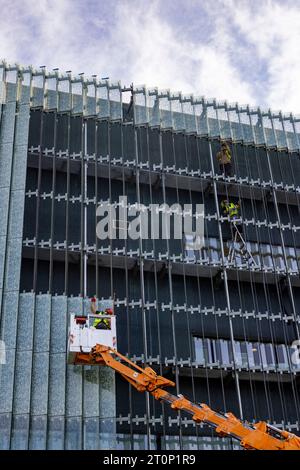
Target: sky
{"x":245,"y":51}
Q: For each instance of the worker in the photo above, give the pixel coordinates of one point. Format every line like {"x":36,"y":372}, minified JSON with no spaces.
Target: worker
{"x":101,"y":323}
{"x":224,"y":159}
{"x":230,"y":209}
{"x":233,"y":211}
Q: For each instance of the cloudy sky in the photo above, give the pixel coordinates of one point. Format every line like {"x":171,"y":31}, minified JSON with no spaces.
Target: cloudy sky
{"x":240,"y":50}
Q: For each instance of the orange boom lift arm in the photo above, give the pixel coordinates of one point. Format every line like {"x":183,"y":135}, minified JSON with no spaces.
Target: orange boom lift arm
{"x":258,"y":436}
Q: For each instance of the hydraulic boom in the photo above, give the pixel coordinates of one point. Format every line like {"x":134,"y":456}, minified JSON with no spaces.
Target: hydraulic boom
{"x":258,"y":436}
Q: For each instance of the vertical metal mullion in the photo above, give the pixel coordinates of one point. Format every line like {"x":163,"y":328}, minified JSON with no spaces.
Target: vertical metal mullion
{"x":96,"y":205}
{"x":66,"y":280}
{"x":35,"y":267}
{"x":66,"y":286}
{"x":128,"y":323}
{"x":82,"y":213}
{"x":142,"y":287}
{"x":155,"y":278}
{"x":170,"y":288}
{"x":184,"y":266}
{"x":225,"y":278}
{"x":110,"y":202}
{"x":85,"y":194}
{"x":35,"y":274}
{"x":53,"y":206}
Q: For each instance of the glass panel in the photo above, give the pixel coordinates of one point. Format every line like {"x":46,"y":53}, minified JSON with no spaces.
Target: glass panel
{"x":39,"y":393}
{"x":64,"y":94}
{"x":235,"y":125}
{"x":256,"y":354}
{"x":37,"y":436}
{"x":5,"y":422}
{"x":267,"y":255}
{"x":91,"y":434}
{"x":270,"y":355}
{"x":279,"y":131}
{"x":6,"y":382}
{"x":199,"y":350}
{"x":22,"y":385}
{"x":238,"y":354}
{"x":297,"y":129}
{"x":207,"y":346}
{"x":37,"y":90}
{"x":25,"y":88}
{"x":102,"y":101}
{"x":290,"y":135}
{"x":58,"y":324}
{"x":250,"y":351}
{"x":77,"y":97}
{"x":213,"y":123}
{"x":269,"y":131}
{"x":91,"y":391}
{"x":225,"y":352}
{"x":140,"y":107}
{"x":90,"y":100}
{"x":42,"y":322}
{"x":177,"y":113}
{"x":73,"y":434}
{"x":257,"y":124}
{"x":165,"y":112}
{"x":11,"y":85}
{"x":246,"y":126}
{"x":74,"y":391}
{"x":224,"y":123}
{"x":56,"y":433}
{"x":57,"y":384}
{"x":201,"y":118}
{"x":153,"y":104}
{"x":189,"y":251}
{"x":115,"y":99}
{"x":20,"y":432}
{"x":282,"y":357}
{"x":278,"y":257}
{"x":189,"y":116}
{"x":51,"y":93}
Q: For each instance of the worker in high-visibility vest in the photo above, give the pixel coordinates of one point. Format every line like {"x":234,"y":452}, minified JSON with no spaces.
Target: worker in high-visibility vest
{"x":224,"y":159}
{"x":100,"y":323}
{"x":232,"y":210}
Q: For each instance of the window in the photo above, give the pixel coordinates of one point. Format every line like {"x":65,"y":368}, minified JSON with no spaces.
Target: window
{"x":282,"y":358}
{"x":247,"y":354}
{"x":269,"y":354}
{"x":199,"y":351}
{"x":189,"y":246}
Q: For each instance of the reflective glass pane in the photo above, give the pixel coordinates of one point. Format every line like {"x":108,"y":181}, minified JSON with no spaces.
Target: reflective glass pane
{"x":290,"y":135}
{"x":165,"y":112}
{"x":269,"y":131}
{"x":225,"y":130}
{"x":140,"y":107}
{"x":213,"y":123}
{"x":102,"y":101}
{"x":246,"y":126}
{"x":235,"y":125}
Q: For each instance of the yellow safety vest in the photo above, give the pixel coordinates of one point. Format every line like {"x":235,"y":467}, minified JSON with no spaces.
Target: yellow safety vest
{"x":228,"y":155}
{"x":231,"y":209}
{"x":99,"y":320}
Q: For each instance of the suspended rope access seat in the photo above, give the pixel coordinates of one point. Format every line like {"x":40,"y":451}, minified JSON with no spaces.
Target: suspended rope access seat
{"x":239,"y":246}
{"x":85,"y":331}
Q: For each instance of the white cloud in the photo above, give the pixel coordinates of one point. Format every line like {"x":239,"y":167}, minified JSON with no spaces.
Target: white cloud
{"x":273,"y":30}
{"x":133,"y":41}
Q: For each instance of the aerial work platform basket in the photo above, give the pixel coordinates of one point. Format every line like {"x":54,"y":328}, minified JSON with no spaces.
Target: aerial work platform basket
{"x":85,"y":331}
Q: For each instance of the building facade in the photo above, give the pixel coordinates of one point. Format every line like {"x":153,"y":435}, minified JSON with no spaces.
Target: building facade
{"x":224,"y":329}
